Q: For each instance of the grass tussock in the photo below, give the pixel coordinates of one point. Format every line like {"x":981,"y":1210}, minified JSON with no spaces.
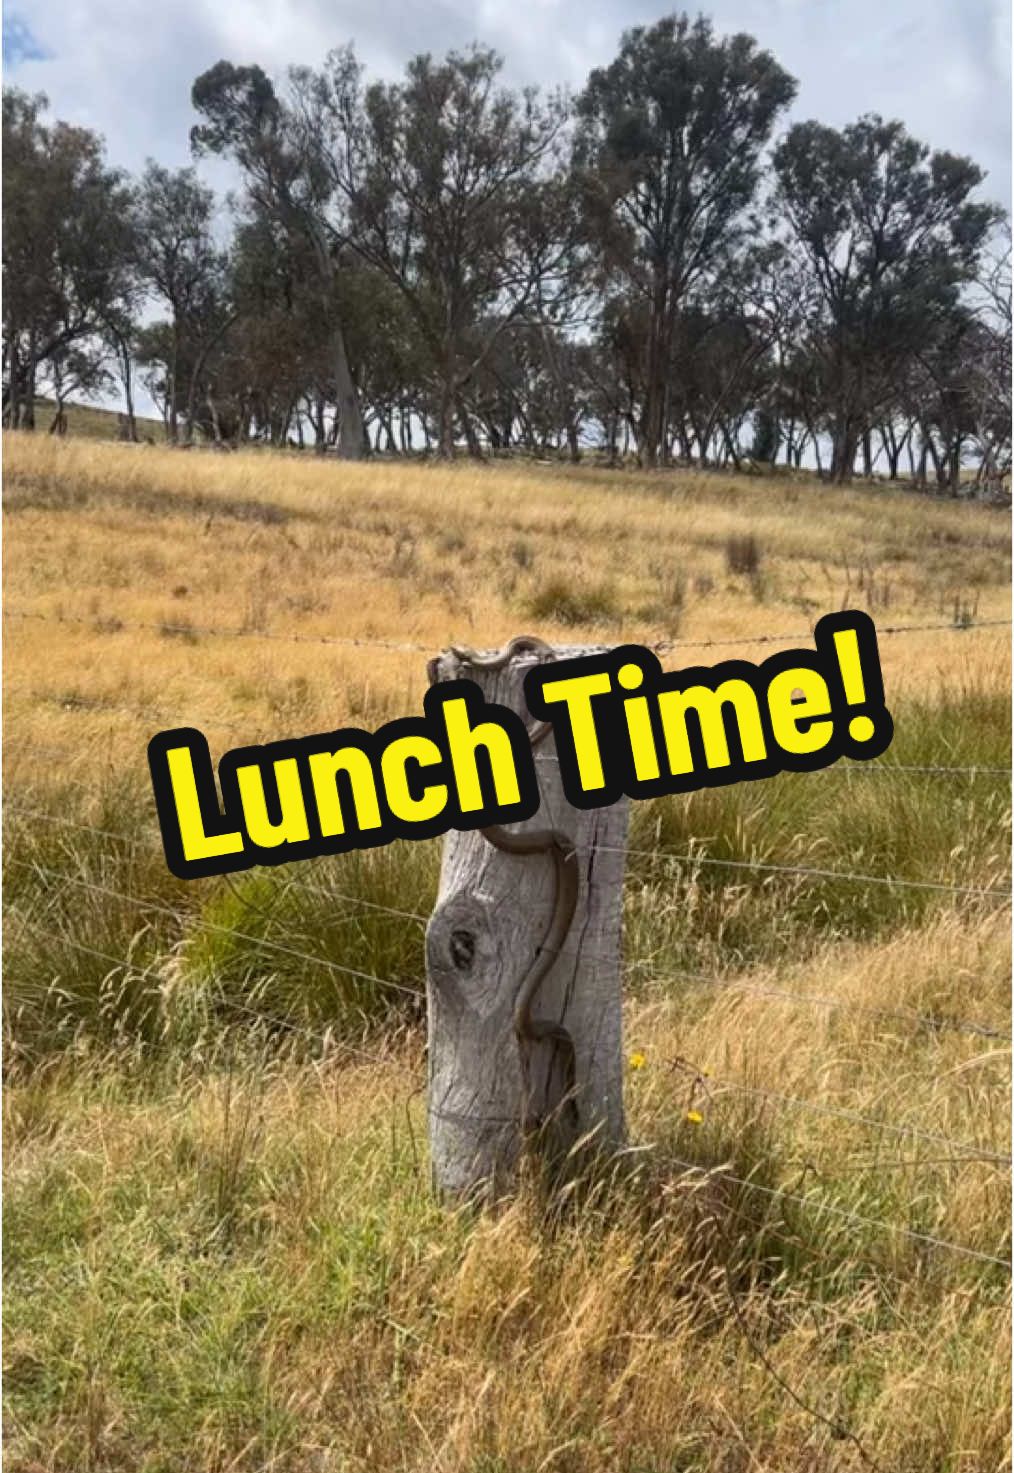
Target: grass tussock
{"x":223,"y":1249}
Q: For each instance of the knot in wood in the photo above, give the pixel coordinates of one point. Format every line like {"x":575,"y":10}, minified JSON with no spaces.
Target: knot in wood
{"x":462,"y":949}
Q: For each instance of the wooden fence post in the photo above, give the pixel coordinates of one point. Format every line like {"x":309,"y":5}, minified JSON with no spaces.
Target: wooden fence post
{"x":488,"y":1084}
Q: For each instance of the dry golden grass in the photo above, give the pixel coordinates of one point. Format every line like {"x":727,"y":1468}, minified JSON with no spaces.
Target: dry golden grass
{"x":426,"y":555}
{"x":226,"y":1252}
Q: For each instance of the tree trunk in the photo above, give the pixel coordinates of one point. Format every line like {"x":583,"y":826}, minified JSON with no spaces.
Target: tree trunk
{"x":216,"y":425}
{"x":445,"y":429}
{"x":790,"y":444}
{"x":351,"y":435}
{"x":730,"y":445}
{"x":938,"y":465}
{"x":471,"y":438}
{"x":573,"y":443}
{"x":172,"y":432}
{"x":491,"y":918}
{"x":127,"y":379}
{"x":11,"y":406}
{"x":191,"y":409}
{"x":28,"y":375}
{"x":843,"y":451}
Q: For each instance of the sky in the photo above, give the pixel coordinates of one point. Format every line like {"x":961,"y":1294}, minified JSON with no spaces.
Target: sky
{"x":125,"y":67}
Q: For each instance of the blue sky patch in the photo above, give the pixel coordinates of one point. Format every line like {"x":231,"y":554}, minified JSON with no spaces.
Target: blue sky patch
{"x":18,"y":42}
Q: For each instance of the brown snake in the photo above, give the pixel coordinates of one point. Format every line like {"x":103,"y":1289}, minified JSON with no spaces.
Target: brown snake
{"x":567,"y":878}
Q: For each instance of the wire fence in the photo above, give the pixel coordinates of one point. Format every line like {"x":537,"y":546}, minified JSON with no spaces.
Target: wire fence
{"x":165,"y":721}
{"x":201,"y":922}
{"x":969,"y":1151}
{"x":814,"y":872}
{"x":343,"y":1049}
{"x":954,"y":626}
{"x":964,"y":1152}
{"x":845,"y":1214}
{"x":112,"y":623}
{"x":972,"y":1150}
{"x":924,"y":1022}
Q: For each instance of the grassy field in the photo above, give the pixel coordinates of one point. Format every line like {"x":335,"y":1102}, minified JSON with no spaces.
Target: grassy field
{"x":222,"y":1249}
{"x":92,"y":423}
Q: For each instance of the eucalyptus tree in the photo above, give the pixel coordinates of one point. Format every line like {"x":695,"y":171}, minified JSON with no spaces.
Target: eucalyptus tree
{"x":66,"y":254}
{"x":988,"y":372}
{"x":669,"y":152}
{"x":179,"y":261}
{"x":452,"y":194}
{"x":245,"y":119}
{"x":889,"y":235}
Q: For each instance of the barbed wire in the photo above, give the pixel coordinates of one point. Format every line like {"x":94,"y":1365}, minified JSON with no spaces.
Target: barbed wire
{"x":953,"y":627}
{"x":166,"y":627}
{"x":113,"y":623}
{"x":187,"y":630}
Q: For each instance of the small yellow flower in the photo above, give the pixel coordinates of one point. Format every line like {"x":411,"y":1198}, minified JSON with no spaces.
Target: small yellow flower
{"x":695,"y":1117}
{"x":637,"y":1060}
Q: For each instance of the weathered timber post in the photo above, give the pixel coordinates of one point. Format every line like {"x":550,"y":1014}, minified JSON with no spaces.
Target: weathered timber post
{"x":487,"y":1083}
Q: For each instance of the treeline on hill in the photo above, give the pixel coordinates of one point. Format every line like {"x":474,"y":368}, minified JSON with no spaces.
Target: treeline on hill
{"x":442,"y":261}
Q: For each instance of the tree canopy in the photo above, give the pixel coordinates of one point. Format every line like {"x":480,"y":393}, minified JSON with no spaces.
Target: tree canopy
{"x":443,"y":263}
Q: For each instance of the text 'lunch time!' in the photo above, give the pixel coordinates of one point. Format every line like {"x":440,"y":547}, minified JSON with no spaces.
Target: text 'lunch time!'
{"x":621,"y":724}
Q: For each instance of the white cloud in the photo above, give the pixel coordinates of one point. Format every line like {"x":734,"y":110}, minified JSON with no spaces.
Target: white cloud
{"x":125,"y":67}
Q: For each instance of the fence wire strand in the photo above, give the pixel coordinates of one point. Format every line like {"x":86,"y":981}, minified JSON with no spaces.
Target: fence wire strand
{"x":924,"y":1021}
{"x":165,"y":721}
{"x":328,"y":1039}
{"x":114,"y":624}
{"x":844,"y":1213}
{"x":807,"y":871}
{"x":811,"y":871}
{"x":201,"y":922}
{"x":166,"y":627}
{"x":318,"y":1036}
{"x":665,"y":646}
{"x":777,"y":1193}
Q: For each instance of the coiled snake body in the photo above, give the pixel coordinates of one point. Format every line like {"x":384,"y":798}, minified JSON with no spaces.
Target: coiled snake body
{"x":566,"y":873}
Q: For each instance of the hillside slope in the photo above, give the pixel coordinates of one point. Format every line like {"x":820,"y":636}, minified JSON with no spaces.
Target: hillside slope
{"x":223,"y":1248}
